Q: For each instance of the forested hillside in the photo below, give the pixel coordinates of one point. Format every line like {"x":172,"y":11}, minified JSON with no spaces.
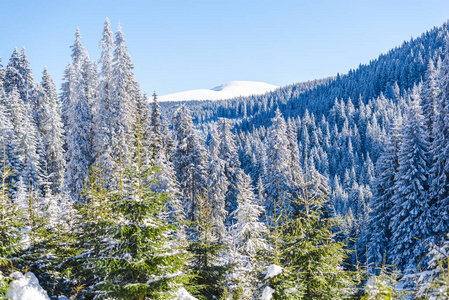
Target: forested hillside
{"x":330,"y":189}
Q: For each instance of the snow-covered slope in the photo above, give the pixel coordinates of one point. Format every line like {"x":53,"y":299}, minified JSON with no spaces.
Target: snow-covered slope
{"x":228,"y":90}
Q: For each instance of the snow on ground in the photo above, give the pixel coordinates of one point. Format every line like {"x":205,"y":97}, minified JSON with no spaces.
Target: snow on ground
{"x":25,"y":287}
{"x":184,"y":295}
{"x":267,"y":293}
{"x":273,"y":270}
{"x":228,"y":90}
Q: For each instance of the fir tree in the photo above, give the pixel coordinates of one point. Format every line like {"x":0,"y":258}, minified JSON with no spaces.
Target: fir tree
{"x":248,"y":241}
{"x":122,"y":103}
{"x":139,"y":264}
{"x":412,"y":216}
{"x":51,"y":130}
{"x":190,"y":158}
{"x":277,"y":178}
{"x":379,"y":228}
{"x":102,"y":129}
{"x":312,"y":257}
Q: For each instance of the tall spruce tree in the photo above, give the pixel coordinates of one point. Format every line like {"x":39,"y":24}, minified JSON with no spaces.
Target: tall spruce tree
{"x":123,"y":106}
{"x":439,"y":173}
{"x":277,"y":177}
{"x":412,"y":217}
{"x":312,"y":258}
{"x":102,"y":129}
{"x":140,"y":263}
{"x":51,"y":131}
{"x":379,"y":231}
{"x":190,"y":161}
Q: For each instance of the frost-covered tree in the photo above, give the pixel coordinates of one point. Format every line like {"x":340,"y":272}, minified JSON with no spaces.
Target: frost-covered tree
{"x":412,"y":218}
{"x":77,"y":139}
{"x":227,"y":152}
{"x":312,"y":258}
{"x":429,"y":95}
{"x":50,"y":127}
{"x":248,"y":240}
{"x":190,"y":160}
{"x":439,"y":173}
{"x":217,"y":185}
{"x":277,"y":179}
{"x":13,"y":76}
{"x":9,"y":149}
{"x":26,"y":139}
{"x":382,"y":203}
{"x":102,"y":127}
{"x":122,"y":103}
{"x":139,"y":263}
{"x":78,"y":94}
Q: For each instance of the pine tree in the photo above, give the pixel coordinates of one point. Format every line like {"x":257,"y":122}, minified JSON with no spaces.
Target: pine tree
{"x":13,"y":77}
{"x":77,"y":96}
{"x":217,"y":186}
{"x":382,"y":204}
{"x":10,"y":219}
{"x":190,"y":159}
{"x":102,"y":129}
{"x":227,"y":152}
{"x":312,"y":258}
{"x":155,"y":129}
{"x":439,"y":173}
{"x":248,"y":241}
{"x":26,"y":84}
{"x":429,"y":96}
{"x":277,"y":178}
{"x":205,"y":248}
{"x":78,"y":132}
{"x":140,"y":263}
{"x":51,"y":131}
{"x":7,"y":137}
{"x":26,"y":139}
{"x":412,"y":217}
{"x":122,"y":101}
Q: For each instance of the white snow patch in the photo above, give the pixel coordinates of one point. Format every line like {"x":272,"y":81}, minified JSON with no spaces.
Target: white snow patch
{"x":184,"y":295}
{"x":25,"y":287}
{"x":228,"y":90}
{"x":273,"y":270}
{"x":267,"y":293}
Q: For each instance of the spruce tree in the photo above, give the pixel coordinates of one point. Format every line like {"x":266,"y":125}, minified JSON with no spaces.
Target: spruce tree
{"x":139,"y":263}
{"x":312,"y":258}
{"x":102,"y":127}
{"x":412,"y":216}
{"x":277,"y":179}
{"x":248,"y":242}
{"x":51,"y":130}
{"x":190,"y":159}
{"x":379,"y":231}
{"x":123,"y":106}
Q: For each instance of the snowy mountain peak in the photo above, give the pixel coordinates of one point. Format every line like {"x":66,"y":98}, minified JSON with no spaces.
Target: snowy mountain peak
{"x":227,"y":90}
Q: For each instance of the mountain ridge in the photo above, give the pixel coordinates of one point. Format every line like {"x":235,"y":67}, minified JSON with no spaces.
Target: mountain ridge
{"x":228,"y":90}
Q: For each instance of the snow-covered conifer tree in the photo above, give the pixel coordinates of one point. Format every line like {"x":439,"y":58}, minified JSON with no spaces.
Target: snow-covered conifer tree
{"x":248,"y":240}
{"x":190,"y":160}
{"x":122,"y":102}
{"x":277,"y":179}
{"x":217,"y":185}
{"x":382,"y":202}
{"x":51,"y":132}
{"x":26,"y":139}
{"x":412,"y":217}
{"x":78,"y":116}
{"x":439,"y":173}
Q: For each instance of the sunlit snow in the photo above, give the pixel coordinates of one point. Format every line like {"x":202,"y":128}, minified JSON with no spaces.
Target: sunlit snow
{"x":228,"y":90}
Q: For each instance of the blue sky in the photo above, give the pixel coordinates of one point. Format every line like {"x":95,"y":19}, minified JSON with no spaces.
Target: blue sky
{"x":183,"y":45}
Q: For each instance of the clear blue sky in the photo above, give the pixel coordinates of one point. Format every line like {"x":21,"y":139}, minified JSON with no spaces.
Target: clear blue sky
{"x":183,"y":45}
